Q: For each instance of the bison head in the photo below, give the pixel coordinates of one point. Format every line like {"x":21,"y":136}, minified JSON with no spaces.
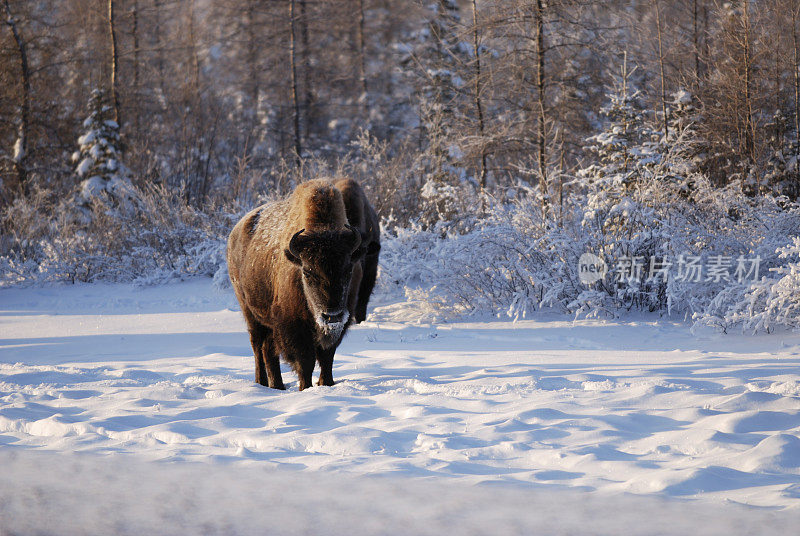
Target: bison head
{"x":326,"y":259}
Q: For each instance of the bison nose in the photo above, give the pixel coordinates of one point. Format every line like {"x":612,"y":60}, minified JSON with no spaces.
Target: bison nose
{"x":332,"y":318}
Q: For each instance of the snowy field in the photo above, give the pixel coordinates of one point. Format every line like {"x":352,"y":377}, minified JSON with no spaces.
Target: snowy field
{"x":473,"y":427}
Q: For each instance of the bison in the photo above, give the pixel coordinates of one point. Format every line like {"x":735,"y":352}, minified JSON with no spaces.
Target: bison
{"x":302,"y":270}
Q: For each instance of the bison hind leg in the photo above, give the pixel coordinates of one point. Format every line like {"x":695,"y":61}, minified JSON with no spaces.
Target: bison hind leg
{"x":367,"y":284}
{"x":258,"y":334}
{"x":268,"y":370}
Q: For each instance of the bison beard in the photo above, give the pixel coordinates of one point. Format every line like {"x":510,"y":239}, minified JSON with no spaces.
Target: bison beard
{"x":297,"y":267}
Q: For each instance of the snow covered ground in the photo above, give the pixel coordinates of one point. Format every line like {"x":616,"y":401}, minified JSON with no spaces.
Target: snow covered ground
{"x":517,"y":417}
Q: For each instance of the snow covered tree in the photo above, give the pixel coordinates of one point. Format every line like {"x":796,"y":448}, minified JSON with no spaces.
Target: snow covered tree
{"x":620,"y":151}
{"x":105,"y":179}
{"x":623,"y":195}
{"x":684,"y":128}
{"x":437,"y":52}
{"x":681,"y":154}
{"x":781,"y":175}
{"x":436,"y":57}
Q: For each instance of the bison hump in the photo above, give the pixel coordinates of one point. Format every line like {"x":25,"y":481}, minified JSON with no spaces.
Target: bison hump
{"x":320,"y":205}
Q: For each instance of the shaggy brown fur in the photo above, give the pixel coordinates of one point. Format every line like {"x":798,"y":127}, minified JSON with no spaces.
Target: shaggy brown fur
{"x":362,"y":216}
{"x":295,"y":266}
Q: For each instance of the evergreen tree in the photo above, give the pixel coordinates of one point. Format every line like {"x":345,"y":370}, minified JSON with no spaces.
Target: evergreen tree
{"x":622,"y":150}
{"x":624,"y":196}
{"x":104,"y":178}
{"x":683,"y":151}
{"x":781,"y":175}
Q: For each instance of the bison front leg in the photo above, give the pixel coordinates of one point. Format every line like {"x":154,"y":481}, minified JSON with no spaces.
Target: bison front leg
{"x":305,"y":370}
{"x":297,"y":346}
{"x":272,"y":363}
{"x":325,"y":360}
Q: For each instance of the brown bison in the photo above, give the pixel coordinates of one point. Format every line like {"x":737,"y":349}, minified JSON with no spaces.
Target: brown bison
{"x":296,"y":266}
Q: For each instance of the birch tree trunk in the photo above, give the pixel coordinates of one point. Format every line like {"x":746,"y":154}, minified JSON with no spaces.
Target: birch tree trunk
{"x":661,"y":69}
{"x":157,"y":4}
{"x":112,"y":31}
{"x":748,"y":74}
{"x":21,"y":150}
{"x":478,"y":98}
{"x":541,"y":88}
{"x":362,"y":68}
{"x":696,"y":42}
{"x":252,"y":87}
{"x":298,"y":148}
{"x":136,"y":67}
{"x":308,"y":95}
{"x":796,"y":68}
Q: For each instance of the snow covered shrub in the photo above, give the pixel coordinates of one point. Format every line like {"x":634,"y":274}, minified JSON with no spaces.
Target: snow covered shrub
{"x":739,"y":228}
{"x":672,"y":240}
{"x":781,"y":297}
{"x":176,"y":239}
{"x":763,"y":304}
{"x":507,"y":263}
{"x":40,"y":238}
{"x":449,"y":202}
{"x":511,"y":262}
{"x":163,"y":238}
{"x":388,"y":177}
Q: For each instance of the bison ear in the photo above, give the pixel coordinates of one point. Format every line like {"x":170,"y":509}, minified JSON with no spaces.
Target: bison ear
{"x":292,"y":258}
{"x":296,"y":245}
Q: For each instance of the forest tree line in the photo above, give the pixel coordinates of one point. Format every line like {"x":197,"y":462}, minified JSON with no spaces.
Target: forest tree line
{"x":491,"y":91}
{"x":499,"y":140}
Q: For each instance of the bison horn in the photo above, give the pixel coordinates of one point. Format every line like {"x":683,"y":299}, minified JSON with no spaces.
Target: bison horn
{"x":296,"y":243}
{"x":353,"y":237}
